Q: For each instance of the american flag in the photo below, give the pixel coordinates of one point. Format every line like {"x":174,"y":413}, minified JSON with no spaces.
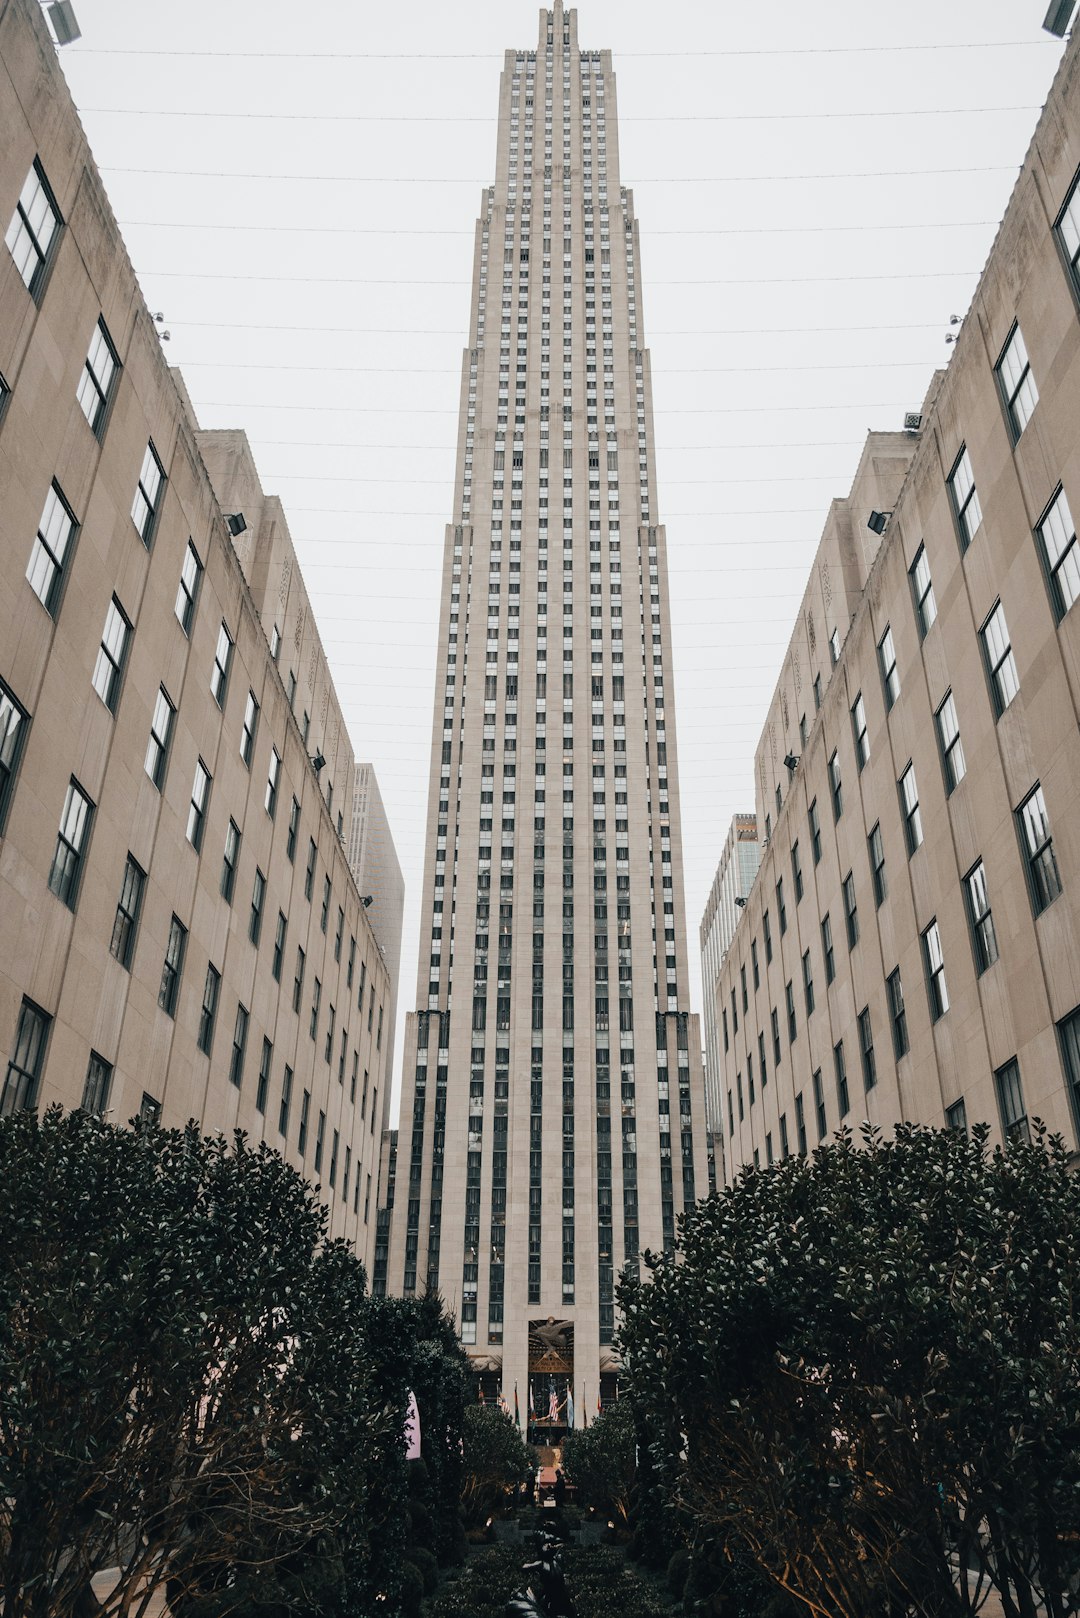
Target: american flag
{"x":553,"y":1407}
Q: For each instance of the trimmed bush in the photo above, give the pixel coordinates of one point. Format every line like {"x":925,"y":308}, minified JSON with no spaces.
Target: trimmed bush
{"x":428,"y":1565}
{"x":677,"y":1570}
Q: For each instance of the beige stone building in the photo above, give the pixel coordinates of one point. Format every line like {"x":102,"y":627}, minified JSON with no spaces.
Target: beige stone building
{"x":911,"y":947}
{"x":552,"y":1114}
{"x":180,"y":933}
{"x":377,"y":870}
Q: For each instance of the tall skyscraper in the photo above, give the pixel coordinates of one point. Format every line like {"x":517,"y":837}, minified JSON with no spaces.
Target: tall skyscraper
{"x":552,"y":1116}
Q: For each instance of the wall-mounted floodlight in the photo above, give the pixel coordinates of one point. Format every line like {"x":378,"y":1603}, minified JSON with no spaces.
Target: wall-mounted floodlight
{"x":235,"y":523}
{"x":368,"y":900}
{"x":792,"y":761}
{"x":740,"y":901}
{"x":65,"y":27}
{"x":877,"y":521}
{"x":317,"y":762}
{"x":1058,"y":17}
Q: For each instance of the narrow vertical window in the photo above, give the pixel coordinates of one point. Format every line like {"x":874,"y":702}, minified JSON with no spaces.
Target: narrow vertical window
{"x":305,"y":1108}
{"x":219,"y":674}
{"x":126,"y":922}
{"x":309,"y":874}
{"x":320,"y":1140}
{"x":877,"y":866}
{"x":1060,"y":553}
{"x":298,"y":978}
{"x":1069,"y":1035}
{"x":247,"y":733}
{"x":316,"y":1000}
{"x":843,"y":1101}
{"x":815,"y":832}
{"x":965,"y":499}
{"x":187,"y":591}
{"x":172,"y":967}
{"x":262,"y":1089}
{"x":781,"y":907}
{"x":827,"y":948}
{"x":836,"y":787}
{"x":858,"y":731}
{"x":819,"y":1104}
{"x":808,"y":982}
{"x":792,"y":1024}
{"x":897,"y":1014}
{"x":909,"y":808}
{"x":112,"y":655}
{"x":1019,"y":395}
{"x":273,"y":776}
{"x":796,"y":870}
{"x":26,"y":1060}
{"x":230,"y":861}
{"x":208,"y":1013}
{"x":96,"y":1086}
{"x":1067,"y":229}
{"x":51,"y":551}
{"x":14,"y":724}
{"x":998,"y":655}
{"x":1014,"y":1119}
{"x":934,"y":964}
{"x":33,"y":231}
{"x":258,"y":897}
{"x":980,"y":918}
{"x":100,"y":371}
{"x":956,"y":1117}
{"x":157,"y":748}
{"x":71,"y":845}
{"x":286,"y":1101}
{"x":890,"y":678}
{"x":200,"y":799}
{"x":851,"y":911}
{"x":922,"y":592}
{"x":324,"y":916}
{"x":294,"y":827}
{"x":146,"y":505}
{"x":953,"y":763}
{"x":866,"y":1049}
{"x":236,"y":1061}
{"x":800,"y":1126}
{"x":279,"y":946}
{"x":1044,"y":879}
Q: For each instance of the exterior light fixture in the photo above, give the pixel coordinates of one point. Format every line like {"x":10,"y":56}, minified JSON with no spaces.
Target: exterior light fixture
{"x":65,"y":26}
{"x":877,"y":521}
{"x":235,"y":523}
{"x":1058,"y":17}
{"x":792,"y":761}
{"x":317,"y":762}
{"x":368,"y":900}
{"x":740,"y":901}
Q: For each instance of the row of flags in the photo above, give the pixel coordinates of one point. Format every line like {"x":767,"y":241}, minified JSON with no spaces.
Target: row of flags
{"x":555,"y":1406}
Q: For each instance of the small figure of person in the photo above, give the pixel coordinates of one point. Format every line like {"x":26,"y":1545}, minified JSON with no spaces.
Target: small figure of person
{"x":560,"y":1488}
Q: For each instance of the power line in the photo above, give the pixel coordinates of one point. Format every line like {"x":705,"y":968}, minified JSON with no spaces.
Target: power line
{"x":733,"y":230}
{"x":455,"y":370}
{"x":424,"y":410}
{"x":649,"y":179}
{"x":493,"y":56}
{"x":456,"y":331}
{"x":667,"y":118}
{"x":402,"y":281}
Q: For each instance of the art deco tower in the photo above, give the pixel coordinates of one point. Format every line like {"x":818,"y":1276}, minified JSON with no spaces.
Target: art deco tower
{"x":552,"y":1112}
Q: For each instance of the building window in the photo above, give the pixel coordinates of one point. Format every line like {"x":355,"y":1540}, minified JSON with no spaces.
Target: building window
{"x":792,"y":1026}
{"x":309,"y":875}
{"x":808,"y":982}
{"x":965,"y":500}
{"x":890,"y":679}
{"x":51,"y":551}
{"x":286,"y":1100}
{"x":294,"y":827}
{"x":836,"y":786}
{"x":26,"y":1060}
{"x":71,"y":844}
{"x":148,"y":491}
{"x":866,"y":1049}
{"x":815,"y":832}
{"x":31,"y":235}
{"x":851,"y":911}
{"x":922,"y":592}
{"x":230,"y":861}
{"x":897,"y":1014}
{"x":800,"y":1125}
{"x":1069,"y":1034}
{"x":324,"y":914}
{"x":1000,"y":663}
{"x":934,"y":963}
{"x":157,"y":748}
{"x":316,"y":1001}
{"x":827,"y":948}
{"x":200,"y":799}
{"x":298,"y":978}
{"x":1060,"y":552}
{"x":953,"y":764}
{"x":272,"y":778}
{"x":775,"y":1021}
{"x":305,"y":1108}
{"x":320,"y":1138}
{"x":14,"y":724}
{"x":781,"y":908}
{"x":279,"y":946}
{"x":275,"y":642}
{"x":258,"y":896}
{"x":99,"y":375}
{"x":983,"y":937}
{"x":819,"y":1104}
{"x":263,"y":1087}
{"x":208,"y":1012}
{"x":796,"y":870}
{"x":1044,"y":880}
{"x":173,"y":967}
{"x":109,"y":668}
{"x":149,"y":1111}
{"x":251,"y":724}
{"x":754,"y":963}
{"x":877,"y":866}
{"x":858,"y":730}
{"x":125,"y":925}
{"x":766,"y":931}
{"x":1067,"y":227}
{"x":96,"y":1086}
{"x":817,"y":693}
{"x":329,"y":1048}
{"x":834,"y":647}
{"x":219,"y":674}
{"x":843,"y":1100}
{"x":956,"y":1117}
{"x":236,"y":1061}
{"x":909,"y":808}
{"x":1019,"y":394}
{"x":1010,"y":1093}
{"x":188,"y":589}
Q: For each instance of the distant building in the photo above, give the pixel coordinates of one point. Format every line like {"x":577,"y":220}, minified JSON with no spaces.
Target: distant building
{"x":733,"y":880}
{"x":915,"y":923}
{"x":374,"y":863}
{"x":180,"y":933}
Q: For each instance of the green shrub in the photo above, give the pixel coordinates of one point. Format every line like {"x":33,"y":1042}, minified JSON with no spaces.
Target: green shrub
{"x":412,"y":1589}
{"x":428,"y":1565}
{"x":482,"y":1590}
{"x":677,"y":1571}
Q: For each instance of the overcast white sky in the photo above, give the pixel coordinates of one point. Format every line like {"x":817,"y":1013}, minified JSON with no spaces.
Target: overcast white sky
{"x":298,"y":184}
